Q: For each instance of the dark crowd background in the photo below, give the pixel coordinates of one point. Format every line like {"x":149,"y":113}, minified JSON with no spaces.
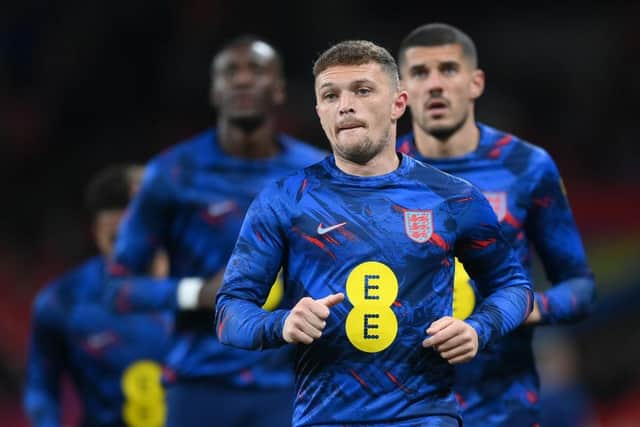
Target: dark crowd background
{"x":84,"y":84}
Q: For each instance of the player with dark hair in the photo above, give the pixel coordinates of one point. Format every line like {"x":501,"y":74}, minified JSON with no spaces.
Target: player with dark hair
{"x":439,"y":70}
{"x":192,"y":202}
{"x":113,"y":360}
{"x":366,"y":240}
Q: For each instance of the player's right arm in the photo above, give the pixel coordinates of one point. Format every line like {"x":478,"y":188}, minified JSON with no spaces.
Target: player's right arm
{"x":144,"y":227}
{"x":240,"y":319}
{"x":46,"y":361}
{"x":252,"y":268}
{"x":143,"y":230}
{"x":135,"y":294}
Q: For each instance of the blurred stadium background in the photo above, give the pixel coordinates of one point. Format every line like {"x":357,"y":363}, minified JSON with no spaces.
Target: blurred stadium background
{"x":85,"y":84}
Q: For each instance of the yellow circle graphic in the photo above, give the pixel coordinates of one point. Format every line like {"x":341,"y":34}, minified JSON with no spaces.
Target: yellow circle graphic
{"x":144,"y":404}
{"x":464,"y":299}
{"x":275,"y":294}
{"x":372,"y":282}
{"x":371,"y":330}
{"x":371,"y":325}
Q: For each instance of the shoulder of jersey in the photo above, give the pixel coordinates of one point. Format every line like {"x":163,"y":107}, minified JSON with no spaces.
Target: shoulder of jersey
{"x":65,"y":287}
{"x":191,"y":145}
{"x":538,"y":154}
{"x":516,"y":144}
{"x":166,"y":163}
{"x":436,"y":178}
{"x":295,"y":183}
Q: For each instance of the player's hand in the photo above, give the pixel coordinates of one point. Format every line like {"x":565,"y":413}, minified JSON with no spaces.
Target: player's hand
{"x":454,"y":339}
{"x":307,"y":319}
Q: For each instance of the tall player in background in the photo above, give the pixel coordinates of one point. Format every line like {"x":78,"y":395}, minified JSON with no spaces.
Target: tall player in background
{"x":439,"y":70}
{"x":366,"y":239}
{"x":192,"y":202}
{"x":114,"y":360}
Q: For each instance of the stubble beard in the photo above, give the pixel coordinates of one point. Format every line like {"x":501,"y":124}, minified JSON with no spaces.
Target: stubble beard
{"x":363,"y":151}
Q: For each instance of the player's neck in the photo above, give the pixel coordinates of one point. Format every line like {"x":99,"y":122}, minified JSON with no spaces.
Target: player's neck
{"x":462,"y":141}
{"x":385,"y":162}
{"x":258,"y":143}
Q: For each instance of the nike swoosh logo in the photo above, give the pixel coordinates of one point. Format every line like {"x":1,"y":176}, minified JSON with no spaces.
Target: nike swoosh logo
{"x":101,"y":340}
{"x":324,"y":230}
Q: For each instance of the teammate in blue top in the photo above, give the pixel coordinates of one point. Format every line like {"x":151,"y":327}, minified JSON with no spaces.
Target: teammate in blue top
{"x":366,"y":239}
{"x":192,"y":203}
{"x":439,"y":69}
{"x":113,"y":360}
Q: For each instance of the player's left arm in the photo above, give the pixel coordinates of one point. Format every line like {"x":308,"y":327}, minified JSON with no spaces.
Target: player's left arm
{"x":501,"y":279}
{"x":552,"y":229}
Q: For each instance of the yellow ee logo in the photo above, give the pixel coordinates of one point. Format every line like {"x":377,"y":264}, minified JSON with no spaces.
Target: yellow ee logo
{"x":464,"y":299}
{"x":371,"y":325}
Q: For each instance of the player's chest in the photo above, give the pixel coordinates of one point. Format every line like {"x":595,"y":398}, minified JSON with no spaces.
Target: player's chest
{"x":508,"y":194}
{"x":218,"y":199}
{"x":96,"y":332}
{"x":365,"y":227}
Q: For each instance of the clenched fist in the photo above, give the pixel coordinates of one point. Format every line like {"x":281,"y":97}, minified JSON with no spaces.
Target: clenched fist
{"x":307,"y":319}
{"x":454,"y":339}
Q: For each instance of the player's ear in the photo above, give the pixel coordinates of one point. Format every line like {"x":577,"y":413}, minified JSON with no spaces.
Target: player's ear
{"x":399,"y":105}
{"x":477,"y":83}
{"x":279,"y":92}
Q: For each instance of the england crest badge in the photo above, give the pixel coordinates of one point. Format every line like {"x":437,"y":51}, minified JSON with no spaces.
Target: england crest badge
{"x":418,"y":225}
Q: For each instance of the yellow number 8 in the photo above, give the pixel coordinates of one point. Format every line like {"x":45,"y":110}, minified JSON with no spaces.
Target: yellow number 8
{"x":371,"y":325}
{"x":144,"y":404}
{"x":464,"y":299}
